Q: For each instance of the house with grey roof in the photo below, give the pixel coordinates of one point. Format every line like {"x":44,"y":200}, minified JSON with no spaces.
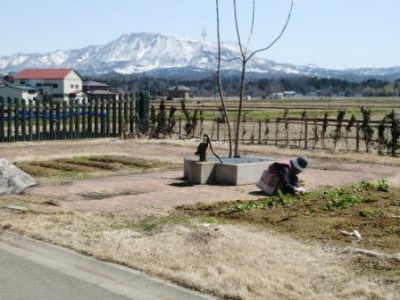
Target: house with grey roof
{"x":179,"y":91}
{"x":95,"y":89}
{"x":13,"y":93}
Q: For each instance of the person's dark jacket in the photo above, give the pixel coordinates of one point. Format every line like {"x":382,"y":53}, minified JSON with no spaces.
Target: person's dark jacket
{"x":288,"y":180}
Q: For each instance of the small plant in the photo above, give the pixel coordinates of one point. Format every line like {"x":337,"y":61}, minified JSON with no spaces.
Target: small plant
{"x":151,"y":224}
{"x":338,"y":199}
{"x":244,"y":130}
{"x":364,"y":186}
{"x":280,"y":199}
{"x":285,"y":115}
{"x":324,"y":129}
{"x":252,"y":204}
{"x":393,"y":229}
{"x":283,"y":199}
{"x":191,"y":119}
{"x":349,"y":126}
{"x":366,"y":127}
{"x":382,"y":185}
{"x":315,"y":132}
{"x":371,"y":213}
{"x":345,"y":201}
{"x":277,"y":122}
{"x":337,"y":133}
{"x":390,"y":142}
{"x":303,"y":117}
{"x":266,"y":132}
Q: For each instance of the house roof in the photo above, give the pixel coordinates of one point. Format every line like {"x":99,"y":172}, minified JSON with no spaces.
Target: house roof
{"x":94,"y":84}
{"x":100,"y":92}
{"x":4,"y":82}
{"x":43,"y":73}
{"x":20,"y":87}
{"x":179,"y":88}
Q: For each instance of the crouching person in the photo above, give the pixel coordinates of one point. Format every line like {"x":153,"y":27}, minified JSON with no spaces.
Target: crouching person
{"x":283,"y":175}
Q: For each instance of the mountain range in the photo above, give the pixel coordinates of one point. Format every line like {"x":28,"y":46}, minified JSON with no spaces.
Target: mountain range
{"x":165,"y":55}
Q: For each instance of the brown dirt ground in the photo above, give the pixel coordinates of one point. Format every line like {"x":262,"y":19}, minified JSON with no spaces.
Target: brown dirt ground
{"x":378,"y":223}
{"x":305,"y":218}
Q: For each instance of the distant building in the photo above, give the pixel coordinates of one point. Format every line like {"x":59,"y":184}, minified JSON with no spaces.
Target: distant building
{"x":178,"y":91}
{"x":276,"y":96}
{"x":12,"y":93}
{"x":95,"y":89}
{"x":289,"y":94}
{"x":59,"y":84}
{"x":282,"y":95}
{"x":90,"y":85}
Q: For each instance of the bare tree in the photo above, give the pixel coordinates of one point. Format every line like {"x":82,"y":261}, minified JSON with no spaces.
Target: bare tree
{"x":244,"y":59}
{"x":219,"y":83}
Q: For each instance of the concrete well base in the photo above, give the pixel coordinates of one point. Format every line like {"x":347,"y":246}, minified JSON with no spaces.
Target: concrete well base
{"x":232,"y":171}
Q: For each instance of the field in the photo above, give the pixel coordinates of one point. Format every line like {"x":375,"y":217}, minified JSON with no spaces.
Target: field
{"x":261,"y":109}
{"x":284,"y":247}
{"x":344,"y":124}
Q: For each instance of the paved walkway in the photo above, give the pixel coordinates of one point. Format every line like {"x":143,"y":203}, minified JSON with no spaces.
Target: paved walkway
{"x":167,"y":190}
{"x":99,"y":276}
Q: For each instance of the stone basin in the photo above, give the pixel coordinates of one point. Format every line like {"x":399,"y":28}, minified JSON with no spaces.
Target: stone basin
{"x":232,"y":170}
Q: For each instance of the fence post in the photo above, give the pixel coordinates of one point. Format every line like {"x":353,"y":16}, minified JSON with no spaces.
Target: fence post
{"x":64,"y":113}
{"x":306,"y":135}
{"x":217,"y":130}
{"x":58,"y":120}
{"x":44,"y":122}
{"x":23,"y":120}
{"x":2,"y":119}
{"x":51,"y":121}
{"x":84,"y":119}
{"x":71,"y":120}
{"x":114,"y":117}
{"x":9,"y":119}
{"x":37,"y":121}
{"x":16,"y":121}
{"x":77,"y":120}
{"x":102,"y":117}
{"x":132,"y":119}
{"x":108,"y":126}
{"x":259,"y":132}
{"x":180,"y":127}
{"x":120,"y":117}
{"x":96,"y":112}
{"x":358,"y":136}
{"x":125,"y":116}
{"x":30,"y":121}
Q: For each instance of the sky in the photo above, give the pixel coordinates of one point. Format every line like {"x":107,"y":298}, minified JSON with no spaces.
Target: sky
{"x":334,"y":34}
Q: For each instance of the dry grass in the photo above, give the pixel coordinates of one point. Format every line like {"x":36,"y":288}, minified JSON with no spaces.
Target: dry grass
{"x":230,"y":260}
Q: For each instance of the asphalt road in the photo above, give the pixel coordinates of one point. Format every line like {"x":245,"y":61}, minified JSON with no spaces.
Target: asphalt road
{"x":34,"y":270}
{"x":23,"y":279}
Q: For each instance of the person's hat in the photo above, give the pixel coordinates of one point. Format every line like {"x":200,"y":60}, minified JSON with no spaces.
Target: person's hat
{"x":300,"y":163}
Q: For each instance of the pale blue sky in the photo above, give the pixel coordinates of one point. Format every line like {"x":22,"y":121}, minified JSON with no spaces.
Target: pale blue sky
{"x":334,"y":34}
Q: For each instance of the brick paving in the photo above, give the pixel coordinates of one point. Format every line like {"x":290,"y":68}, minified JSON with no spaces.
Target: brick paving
{"x":167,"y":190}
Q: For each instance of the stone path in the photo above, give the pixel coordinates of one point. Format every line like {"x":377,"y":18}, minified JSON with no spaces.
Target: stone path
{"x":167,"y":190}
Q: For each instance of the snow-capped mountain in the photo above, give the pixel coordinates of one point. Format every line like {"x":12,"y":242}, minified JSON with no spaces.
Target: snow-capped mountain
{"x":164,"y":54}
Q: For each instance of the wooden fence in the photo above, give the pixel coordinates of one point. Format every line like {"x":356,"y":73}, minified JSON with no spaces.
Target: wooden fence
{"x":66,"y":120}
{"x":381,"y":137}
{"x":118,"y":118}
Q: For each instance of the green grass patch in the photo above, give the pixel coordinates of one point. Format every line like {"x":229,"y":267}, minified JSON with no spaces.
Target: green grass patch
{"x":393,"y":229}
{"x":371,"y":213}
